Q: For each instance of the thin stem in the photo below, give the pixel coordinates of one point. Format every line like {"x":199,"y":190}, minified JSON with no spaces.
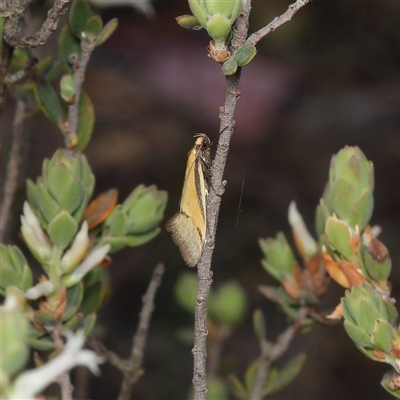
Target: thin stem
{"x":226,"y":115}
{"x":79,"y":76}
{"x":11,"y":178}
{"x":277,"y":22}
{"x":64,"y":379}
{"x":134,"y":371}
{"x":271,"y":352}
{"x":43,"y":34}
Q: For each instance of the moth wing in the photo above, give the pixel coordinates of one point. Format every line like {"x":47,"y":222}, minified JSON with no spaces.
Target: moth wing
{"x":193,"y":200}
{"x":187,"y":237}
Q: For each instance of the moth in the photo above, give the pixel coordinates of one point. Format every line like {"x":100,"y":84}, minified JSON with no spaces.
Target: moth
{"x":188,"y":226}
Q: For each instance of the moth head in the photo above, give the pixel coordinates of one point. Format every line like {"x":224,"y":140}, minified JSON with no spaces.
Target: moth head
{"x":202,"y":141}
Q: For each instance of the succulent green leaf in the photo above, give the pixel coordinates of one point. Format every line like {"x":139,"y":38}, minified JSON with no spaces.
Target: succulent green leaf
{"x":73,"y":323}
{"x":188,"y":22}
{"x":250,"y":375}
{"x":138,"y":240}
{"x":79,"y":15}
{"x":88,"y":324}
{"x":107,"y":31}
{"x":67,"y":88}
{"x":13,"y":332}
{"x":198,"y":12}
{"x":21,"y":58}
{"x":93,"y":27}
{"x":361,"y":210}
{"x":32,"y":194}
{"x":391,"y":313}
{"x":377,"y":260}
{"x":74,"y":299}
{"x":116,"y":243}
{"x":338,"y":234}
{"x":86,"y":120}
{"x":229,"y":67}
{"x":45,"y":319}
{"x":387,"y":378}
{"x":92,"y":298}
{"x":285,"y":375}
{"x":43,"y":344}
{"x":48,"y":101}
{"x":144,"y":208}
{"x":357,"y":334}
{"x":382,"y":335}
{"x":44,"y":64}
{"x":259,"y":325}
{"x":185,"y":290}
{"x":8,"y":278}
{"x":218,"y":27}
{"x":343,"y":195}
{"x":238,"y":388}
{"x":62,"y":229}
{"x":116,"y":223}
{"x":366,"y":316}
{"x":71,"y":196}
{"x":279,"y":255}
{"x":48,"y":205}
{"x":245,"y":54}
{"x":216,"y":389}
{"x":346,"y":311}
{"x":68,"y":44}
{"x":228,"y":304}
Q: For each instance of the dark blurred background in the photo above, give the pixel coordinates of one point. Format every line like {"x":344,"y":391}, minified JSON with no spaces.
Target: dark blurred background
{"x":327,"y":79}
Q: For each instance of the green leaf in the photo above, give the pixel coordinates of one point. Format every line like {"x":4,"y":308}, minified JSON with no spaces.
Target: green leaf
{"x":382,"y":335}
{"x":237,"y":388}
{"x":245,"y":54}
{"x":386,"y":383}
{"x":107,"y":31}
{"x":67,"y":88}
{"x":48,"y":101}
{"x":48,"y":206}
{"x":229,"y":67}
{"x":216,"y":389}
{"x":68,"y":44}
{"x":366,"y":316}
{"x":362,"y":208}
{"x":259,"y":324}
{"x":62,"y":229}
{"x":44,"y":344}
{"x":339,"y":236}
{"x":86,"y":119}
{"x":188,"y":22}
{"x":357,"y":334}
{"x":93,"y":27}
{"x":88,"y":324}
{"x":185,"y":290}
{"x":71,"y":196}
{"x":45,"y":319}
{"x":228,"y":304}
{"x":74,"y":299}
{"x":79,"y":15}
{"x":285,"y":375}
{"x":92,"y":299}
{"x":138,"y":240}
{"x":250,"y":375}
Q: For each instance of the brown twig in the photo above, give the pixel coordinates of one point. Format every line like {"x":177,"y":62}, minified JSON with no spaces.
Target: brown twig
{"x":277,"y":22}
{"x":271,"y":352}
{"x":134,"y":371}
{"x":11,"y":178}
{"x":79,"y":65}
{"x":64,"y":379}
{"x":42,"y":35}
{"x":226,"y":116}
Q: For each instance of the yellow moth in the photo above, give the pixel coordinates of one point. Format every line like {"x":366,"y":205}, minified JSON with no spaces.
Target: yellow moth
{"x":188,"y":225}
